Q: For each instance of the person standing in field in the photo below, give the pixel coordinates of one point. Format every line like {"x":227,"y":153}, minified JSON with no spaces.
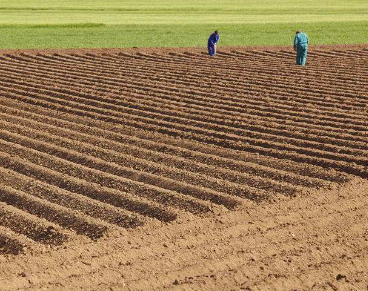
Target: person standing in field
{"x":212,"y":41}
{"x":301,"y":47}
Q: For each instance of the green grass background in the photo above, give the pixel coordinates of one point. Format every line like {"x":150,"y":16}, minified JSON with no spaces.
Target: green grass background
{"x":178,"y":23}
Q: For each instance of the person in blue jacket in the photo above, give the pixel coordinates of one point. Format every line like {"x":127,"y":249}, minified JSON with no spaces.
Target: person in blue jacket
{"x":212,"y":41}
{"x":301,"y":47}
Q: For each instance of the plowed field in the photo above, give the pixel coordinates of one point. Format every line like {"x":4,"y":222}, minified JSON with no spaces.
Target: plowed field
{"x":99,"y":144}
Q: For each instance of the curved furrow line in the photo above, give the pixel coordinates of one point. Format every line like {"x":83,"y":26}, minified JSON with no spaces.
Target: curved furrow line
{"x":345,"y":143}
{"x":341,"y":53}
{"x":236,"y":57}
{"x":122,"y":191}
{"x":260,"y":67}
{"x":123,"y":154}
{"x":89,"y":129}
{"x":31,"y":226}
{"x":51,"y":212}
{"x":202,"y":138}
{"x":200,"y":115}
{"x":81,"y":186}
{"x":248,"y":58}
{"x":119,"y":113}
{"x":241,"y":104}
{"x":293,"y":113}
{"x":304,"y":126}
{"x":238,"y":127}
{"x":90,"y":207}
{"x":12,"y":243}
{"x":312,"y":53}
{"x":241,"y":120}
{"x":304,"y":101}
{"x":355,"y":53}
{"x":207,"y":136}
{"x":123,"y":178}
{"x":180,"y":72}
{"x":211,"y":123}
{"x":203,"y":58}
{"x":203,"y":135}
{"x":259,"y":57}
{"x":322,"y":101}
{"x":239,"y":185}
{"x":93,"y":142}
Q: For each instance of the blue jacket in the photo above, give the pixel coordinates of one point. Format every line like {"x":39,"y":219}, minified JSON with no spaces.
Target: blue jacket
{"x":213,"y":39}
{"x":301,"y":39}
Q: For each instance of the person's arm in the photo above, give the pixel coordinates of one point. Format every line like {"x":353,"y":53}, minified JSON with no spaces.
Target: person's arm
{"x":295,"y":43}
{"x":212,"y":40}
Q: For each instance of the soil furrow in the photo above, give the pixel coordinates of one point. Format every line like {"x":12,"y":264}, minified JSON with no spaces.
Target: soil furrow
{"x":51,"y":212}
{"x":55,"y":195}
{"x":12,"y":243}
{"x":236,"y":127}
{"x":200,"y":176}
{"x":81,"y":64}
{"x":109,"y":131}
{"x":327,"y":135}
{"x":173,"y":123}
{"x":122,"y":178}
{"x":82,"y":187}
{"x":151,"y":169}
{"x":316,"y":121}
{"x":263,"y":72}
{"x":180,"y":75}
{"x":31,"y":226}
{"x":204,"y":135}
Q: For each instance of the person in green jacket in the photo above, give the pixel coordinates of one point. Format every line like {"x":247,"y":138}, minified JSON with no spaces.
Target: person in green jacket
{"x":301,"y":47}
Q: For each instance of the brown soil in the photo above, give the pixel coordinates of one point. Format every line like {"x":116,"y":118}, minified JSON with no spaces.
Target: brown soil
{"x":151,"y":169}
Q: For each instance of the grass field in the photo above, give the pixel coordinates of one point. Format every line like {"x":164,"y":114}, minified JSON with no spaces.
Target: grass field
{"x":174,"y":23}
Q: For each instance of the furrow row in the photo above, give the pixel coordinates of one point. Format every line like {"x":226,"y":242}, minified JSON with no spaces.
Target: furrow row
{"x":179,"y":78}
{"x":30,"y":166}
{"x":238,"y":121}
{"x":12,"y":243}
{"x":83,"y":204}
{"x":195,"y":120}
{"x":206,"y":136}
{"x":180,"y":75}
{"x":167,"y":149}
{"x":257,"y":69}
{"x":293,"y":115}
{"x":237,"y":118}
{"x":178,"y":133}
{"x":236,"y":112}
{"x":290,"y":109}
{"x":171,"y":124}
{"x":119,"y":177}
{"x":202,"y":176}
{"x":51,"y":212}
{"x":31,"y":226}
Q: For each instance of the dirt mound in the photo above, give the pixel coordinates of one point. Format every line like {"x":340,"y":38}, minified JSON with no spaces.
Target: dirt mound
{"x":115,"y":143}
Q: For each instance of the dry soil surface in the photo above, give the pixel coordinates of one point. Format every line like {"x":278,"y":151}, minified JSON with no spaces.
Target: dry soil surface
{"x":165,"y":169}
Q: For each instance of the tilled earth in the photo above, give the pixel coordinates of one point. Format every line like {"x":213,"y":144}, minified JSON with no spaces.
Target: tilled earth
{"x":150,"y":169}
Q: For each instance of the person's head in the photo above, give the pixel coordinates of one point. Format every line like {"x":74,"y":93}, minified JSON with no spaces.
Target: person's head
{"x":216,"y":32}
{"x":298,"y":31}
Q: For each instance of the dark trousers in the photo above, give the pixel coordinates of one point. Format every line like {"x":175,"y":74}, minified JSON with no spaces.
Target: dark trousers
{"x":301,"y":55}
{"x":211,"y":50}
